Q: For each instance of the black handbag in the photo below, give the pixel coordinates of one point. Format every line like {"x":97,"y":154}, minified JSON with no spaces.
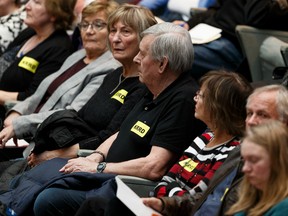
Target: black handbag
{"x":61,"y":129}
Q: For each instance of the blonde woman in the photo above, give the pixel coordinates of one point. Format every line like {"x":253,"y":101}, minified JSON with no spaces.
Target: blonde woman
{"x":264,"y":189}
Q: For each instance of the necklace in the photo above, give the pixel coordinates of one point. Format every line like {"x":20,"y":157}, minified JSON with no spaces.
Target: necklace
{"x":121,"y":80}
{"x":29,"y":45}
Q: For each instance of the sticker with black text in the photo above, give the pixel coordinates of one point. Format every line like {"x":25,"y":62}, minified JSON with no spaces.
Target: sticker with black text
{"x":120,"y":95}
{"x":140,"y":129}
{"x":29,"y":64}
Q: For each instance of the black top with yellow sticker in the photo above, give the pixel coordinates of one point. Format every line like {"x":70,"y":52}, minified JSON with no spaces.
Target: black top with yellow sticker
{"x":167,"y":122}
{"x":110,"y":105}
{"x":26,"y":72}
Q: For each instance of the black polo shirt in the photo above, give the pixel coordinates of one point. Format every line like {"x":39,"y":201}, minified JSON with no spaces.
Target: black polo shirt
{"x":168,"y":122}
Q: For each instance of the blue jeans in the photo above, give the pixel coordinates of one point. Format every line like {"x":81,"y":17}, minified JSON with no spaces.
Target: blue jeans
{"x":58,"y":201}
{"x":219,"y":54}
{"x":66,"y":202}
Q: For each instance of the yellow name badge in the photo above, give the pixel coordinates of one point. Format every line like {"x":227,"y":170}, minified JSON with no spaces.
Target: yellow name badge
{"x":140,"y":129}
{"x":120,"y":95}
{"x":29,"y":64}
{"x":188,"y":164}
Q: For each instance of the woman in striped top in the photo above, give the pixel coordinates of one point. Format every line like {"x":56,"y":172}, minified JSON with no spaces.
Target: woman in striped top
{"x":220,"y":104}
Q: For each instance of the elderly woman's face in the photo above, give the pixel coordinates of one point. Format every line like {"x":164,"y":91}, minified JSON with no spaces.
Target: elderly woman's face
{"x":94,"y":32}
{"x":124,"y":42}
{"x":37,"y":16}
{"x":257,"y":164}
{"x":201,"y":112}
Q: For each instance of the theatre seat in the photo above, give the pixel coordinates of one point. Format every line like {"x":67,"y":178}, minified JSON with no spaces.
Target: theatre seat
{"x":142,"y":187}
{"x":251,"y":39}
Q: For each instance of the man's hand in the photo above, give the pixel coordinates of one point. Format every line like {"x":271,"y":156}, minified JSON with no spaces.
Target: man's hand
{"x":283,"y":4}
{"x":81,"y":164}
{"x":182,"y":24}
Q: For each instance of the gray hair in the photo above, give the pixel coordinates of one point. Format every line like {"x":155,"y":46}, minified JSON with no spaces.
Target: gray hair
{"x":173,"y":42}
{"x":281,"y":99}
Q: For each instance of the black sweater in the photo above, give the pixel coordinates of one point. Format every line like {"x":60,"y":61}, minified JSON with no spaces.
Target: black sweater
{"x":104,"y":113}
{"x":50,"y":54}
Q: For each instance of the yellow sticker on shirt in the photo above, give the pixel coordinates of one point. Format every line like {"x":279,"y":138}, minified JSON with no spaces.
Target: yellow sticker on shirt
{"x":29,"y":64}
{"x":188,"y":164}
{"x":140,"y":129}
{"x":120,"y":95}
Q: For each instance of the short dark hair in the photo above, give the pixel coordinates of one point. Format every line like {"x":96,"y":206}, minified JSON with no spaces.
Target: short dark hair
{"x":225,"y":97}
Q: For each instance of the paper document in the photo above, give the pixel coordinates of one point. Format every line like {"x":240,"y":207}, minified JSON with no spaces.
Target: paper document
{"x":203,"y":33}
{"x":132,"y":200}
{"x":21,"y":143}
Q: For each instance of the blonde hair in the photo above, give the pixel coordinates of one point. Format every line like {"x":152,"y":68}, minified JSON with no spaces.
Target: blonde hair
{"x":96,"y":6}
{"x":273,"y":137}
{"x":137,"y":17}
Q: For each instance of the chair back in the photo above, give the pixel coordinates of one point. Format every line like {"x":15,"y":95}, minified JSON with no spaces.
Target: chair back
{"x":250,"y":39}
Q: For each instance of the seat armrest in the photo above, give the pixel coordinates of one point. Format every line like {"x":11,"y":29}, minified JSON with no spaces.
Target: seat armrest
{"x":194,"y":11}
{"x":142,"y":187}
{"x":284,"y":53}
{"x":84,"y":152}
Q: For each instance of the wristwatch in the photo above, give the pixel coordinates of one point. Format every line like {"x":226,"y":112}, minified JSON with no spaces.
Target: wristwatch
{"x":101,"y":166}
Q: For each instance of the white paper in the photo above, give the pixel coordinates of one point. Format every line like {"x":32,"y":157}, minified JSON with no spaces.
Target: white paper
{"x":21,"y":143}
{"x":203,"y":33}
{"x":132,"y":200}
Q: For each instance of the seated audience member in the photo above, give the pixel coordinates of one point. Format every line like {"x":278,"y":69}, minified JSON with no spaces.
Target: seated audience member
{"x":75,"y":35}
{"x":104,"y":112}
{"x":268,"y":102}
{"x":166,"y":118}
{"x":12,"y":15}
{"x":220,"y":104}
{"x":225,"y":52}
{"x":73,"y":84}
{"x":41,"y":54}
{"x":159,"y":8}
{"x":184,"y":7}
{"x":264,"y":188}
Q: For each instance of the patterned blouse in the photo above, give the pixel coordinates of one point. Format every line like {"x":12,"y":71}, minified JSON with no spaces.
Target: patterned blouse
{"x":10,"y":26}
{"x":195,"y":168}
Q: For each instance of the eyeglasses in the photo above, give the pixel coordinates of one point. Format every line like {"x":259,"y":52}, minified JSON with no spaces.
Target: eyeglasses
{"x":96,"y":25}
{"x":198,"y":95}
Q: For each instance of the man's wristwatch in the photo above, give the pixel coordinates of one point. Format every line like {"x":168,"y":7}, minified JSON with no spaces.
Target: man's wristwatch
{"x":101,"y":166}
